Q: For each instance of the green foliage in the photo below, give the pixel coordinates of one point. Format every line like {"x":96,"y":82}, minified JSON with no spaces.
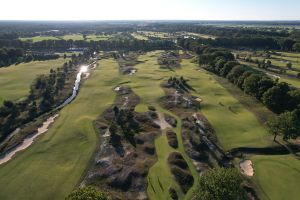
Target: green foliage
{"x":87,"y":193}
{"x":276,"y":98}
{"x":179,"y":84}
{"x":252,"y":85}
{"x":296,"y":47}
{"x":220,"y":184}
{"x":286,"y":124}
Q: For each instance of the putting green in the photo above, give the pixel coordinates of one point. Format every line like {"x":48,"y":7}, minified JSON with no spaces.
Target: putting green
{"x":15,"y":80}
{"x":277,"y":177}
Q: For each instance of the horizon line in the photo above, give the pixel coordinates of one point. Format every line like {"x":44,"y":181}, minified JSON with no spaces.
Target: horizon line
{"x":124,"y":20}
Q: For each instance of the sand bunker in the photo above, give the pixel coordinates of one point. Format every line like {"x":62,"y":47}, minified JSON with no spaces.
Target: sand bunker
{"x":162,"y":122}
{"x":117,"y":89}
{"x":247,"y":167}
{"x":29,"y":140}
{"x":132,"y":72}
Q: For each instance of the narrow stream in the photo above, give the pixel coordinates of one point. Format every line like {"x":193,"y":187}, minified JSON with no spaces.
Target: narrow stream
{"x":44,"y":128}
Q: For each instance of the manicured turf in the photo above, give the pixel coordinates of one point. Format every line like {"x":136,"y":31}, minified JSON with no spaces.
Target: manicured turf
{"x":52,"y":166}
{"x":15,"y":80}
{"x":146,"y":84}
{"x":235,"y":126}
{"x":160,"y":175}
{"x":277,"y":177}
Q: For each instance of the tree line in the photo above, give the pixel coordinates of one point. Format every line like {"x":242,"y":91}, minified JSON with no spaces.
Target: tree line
{"x":9,"y":56}
{"x":104,"y":45}
{"x":279,"y":97}
{"x":253,"y":42}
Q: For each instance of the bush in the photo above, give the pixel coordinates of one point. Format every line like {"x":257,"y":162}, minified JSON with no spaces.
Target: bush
{"x":220,"y":184}
{"x":87,"y":193}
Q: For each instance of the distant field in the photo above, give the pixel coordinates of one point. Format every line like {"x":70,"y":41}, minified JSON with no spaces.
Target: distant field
{"x":277,"y":177}
{"x":68,"y":37}
{"x":39,"y":38}
{"x":279,"y":61}
{"x":15,"y":80}
{"x":283,"y":78}
{"x":139,"y":36}
{"x":161,"y":35}
{"x":98,"y":37}
{"x":201,"y":35}
{"x":71,"y":37}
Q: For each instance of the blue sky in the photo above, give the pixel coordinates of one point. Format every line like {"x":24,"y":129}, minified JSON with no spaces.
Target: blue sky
{"x":150,"y":9}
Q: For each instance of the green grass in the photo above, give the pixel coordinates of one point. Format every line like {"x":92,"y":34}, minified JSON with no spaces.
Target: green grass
{"x":98,"y":37}
{"x":139,"y":36}
{"x":161,"y":171}
{"x":235,"y":125}
{"x":277,"y":177}
{"x":53,"y":165}
{"x":67,"y":37}
{"x":161,"y":35}
{"x":15,"y":80}
{"x":237,"y":129}
{"x":39,"y":38}
{"x":72,"y":37}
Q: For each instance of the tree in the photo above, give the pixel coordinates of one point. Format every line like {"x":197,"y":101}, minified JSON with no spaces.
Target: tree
{"x":242,"y":78}
{"x":276,"y":98}
{"x":296,"y":47}
{"x":84,"y":36}
{"x":289,"y":65}
{"x":32,"y":110}
{"x":294,"y":99}
{"x":87,"y":193}
{"x":251,"y":85}
{"x":235,"y":73}
{"x":273,"y":125}
{"x":227,"y":68}
{"x":268,"y":64}
{"x":220,"y":184}
{"x":264,"y":85}
{"x":286,"y":124}
{"x":287,"y":44}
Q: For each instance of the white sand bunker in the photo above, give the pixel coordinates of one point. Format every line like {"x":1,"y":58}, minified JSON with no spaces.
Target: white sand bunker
{"x":132,"y":72}
{"x":29,"y":140}
{"x":162,"y":122}
{"x":117,"y":89}
{"x":247,"y":167}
